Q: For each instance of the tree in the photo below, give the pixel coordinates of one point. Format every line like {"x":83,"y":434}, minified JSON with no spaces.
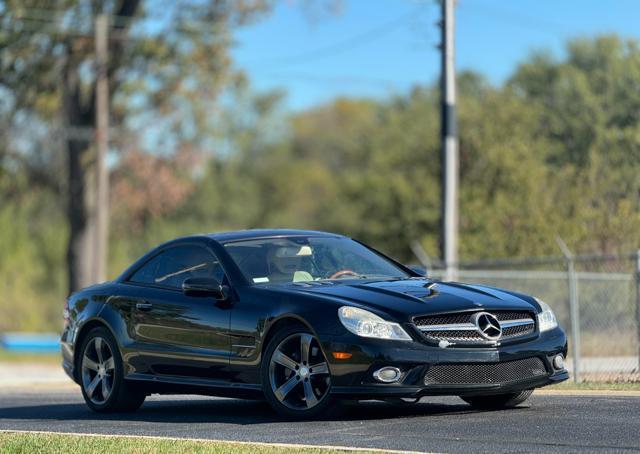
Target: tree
{"x":589,"y":112}
{"x":168,"y":63}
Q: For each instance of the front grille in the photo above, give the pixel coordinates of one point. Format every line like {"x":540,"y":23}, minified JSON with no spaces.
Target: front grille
{"x":485,"y":373}
{"x":514,"y":331}
{"x":458,"y":327}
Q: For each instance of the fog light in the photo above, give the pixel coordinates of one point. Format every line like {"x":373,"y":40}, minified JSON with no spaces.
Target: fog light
{"x":558,"y":362}
{"x":387,"y":374}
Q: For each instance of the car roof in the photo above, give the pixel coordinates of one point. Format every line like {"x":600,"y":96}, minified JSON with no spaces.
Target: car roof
{"x":226,"y":237}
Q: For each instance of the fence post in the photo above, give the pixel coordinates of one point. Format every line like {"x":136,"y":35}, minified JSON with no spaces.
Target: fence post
{"x":575,"y":317}
{"x":637,"y":281}
{"x":574,"y":307}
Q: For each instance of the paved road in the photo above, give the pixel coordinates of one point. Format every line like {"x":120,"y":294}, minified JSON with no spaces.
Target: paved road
{"x":547,"y":424}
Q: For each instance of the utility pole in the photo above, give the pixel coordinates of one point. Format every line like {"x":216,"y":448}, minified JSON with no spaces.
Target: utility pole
{"x":101,"y":236}
{"x":449,"y":150}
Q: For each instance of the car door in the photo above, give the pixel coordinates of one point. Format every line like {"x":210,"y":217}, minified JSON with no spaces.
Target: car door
{"x":176,"y":334}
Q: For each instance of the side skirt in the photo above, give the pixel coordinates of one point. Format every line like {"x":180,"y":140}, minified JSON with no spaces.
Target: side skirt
{"x":154,"y":384}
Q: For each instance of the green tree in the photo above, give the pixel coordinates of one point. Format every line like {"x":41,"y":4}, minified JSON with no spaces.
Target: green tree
{"x":168,"y":63}
{"x":589,"y":112}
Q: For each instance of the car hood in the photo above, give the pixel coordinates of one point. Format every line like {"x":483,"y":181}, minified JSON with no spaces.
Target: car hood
{"x":406,"y":298}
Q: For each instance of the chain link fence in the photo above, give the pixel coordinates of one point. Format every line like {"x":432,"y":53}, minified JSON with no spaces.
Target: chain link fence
{"x":596,"y":299}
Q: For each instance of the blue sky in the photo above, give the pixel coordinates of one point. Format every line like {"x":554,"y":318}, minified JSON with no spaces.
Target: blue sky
{"x":376,"y":48}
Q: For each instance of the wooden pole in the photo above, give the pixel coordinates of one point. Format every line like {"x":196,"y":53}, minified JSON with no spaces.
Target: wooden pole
{"x":101,"y":237}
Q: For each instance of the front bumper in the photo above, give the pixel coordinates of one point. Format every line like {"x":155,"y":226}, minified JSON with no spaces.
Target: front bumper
{"x":353,"y":377}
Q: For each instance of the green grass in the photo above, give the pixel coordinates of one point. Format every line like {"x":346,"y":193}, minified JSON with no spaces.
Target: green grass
{"x":596,"y":386}
{"x":40,"y":358}
{"x":11,"y":442}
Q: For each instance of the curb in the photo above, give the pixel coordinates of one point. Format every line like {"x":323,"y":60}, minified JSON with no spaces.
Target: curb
{"x":587,"y":393}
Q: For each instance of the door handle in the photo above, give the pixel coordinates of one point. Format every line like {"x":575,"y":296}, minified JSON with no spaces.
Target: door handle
{"x":145,"y":306}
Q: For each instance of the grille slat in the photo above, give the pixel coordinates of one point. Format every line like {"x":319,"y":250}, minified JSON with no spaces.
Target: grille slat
{"x":454,"y":327}
{"x":485,"y":373}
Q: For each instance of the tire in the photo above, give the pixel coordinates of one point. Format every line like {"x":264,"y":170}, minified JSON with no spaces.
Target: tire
{"x":101,"y":375}
{"x":290,"y":385}
{"x":498,"y":401}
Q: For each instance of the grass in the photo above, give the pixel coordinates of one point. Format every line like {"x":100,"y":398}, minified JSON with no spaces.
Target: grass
{"x":38,"y":358}
{"x":13,"y":442}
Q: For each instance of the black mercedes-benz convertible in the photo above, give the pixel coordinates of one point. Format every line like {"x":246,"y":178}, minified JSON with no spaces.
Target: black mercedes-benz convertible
{"x":301,"y":318}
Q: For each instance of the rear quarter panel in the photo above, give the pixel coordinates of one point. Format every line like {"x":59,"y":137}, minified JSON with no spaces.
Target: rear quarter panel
{"x":86,"y":310}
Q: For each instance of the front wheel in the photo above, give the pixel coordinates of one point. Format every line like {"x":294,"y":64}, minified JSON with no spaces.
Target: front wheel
{"x":295,"y":375}
{"x":498,"y":401}
{"x":101,"y":375}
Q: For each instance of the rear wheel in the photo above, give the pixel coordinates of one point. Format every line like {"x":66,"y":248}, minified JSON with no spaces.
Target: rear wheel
{"x":295,"y":375}
{"x":101,"y":375}
{"x":498,"y":400}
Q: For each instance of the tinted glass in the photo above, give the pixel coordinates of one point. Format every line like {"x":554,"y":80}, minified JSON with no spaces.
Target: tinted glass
{"x":171,"y":267}
{"x":299,"y":259}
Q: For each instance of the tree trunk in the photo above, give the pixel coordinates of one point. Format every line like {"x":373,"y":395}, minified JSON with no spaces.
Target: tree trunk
{"x":79,"y":244}
{"x":78,"y":115}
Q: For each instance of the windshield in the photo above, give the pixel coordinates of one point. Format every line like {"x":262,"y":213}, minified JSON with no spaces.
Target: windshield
{"x":304,"y":259}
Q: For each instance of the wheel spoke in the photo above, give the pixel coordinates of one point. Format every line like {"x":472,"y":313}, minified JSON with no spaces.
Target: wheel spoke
{"x":305,"y":346}
{"x":286,"y":388}
{"x":106,"y":388}
{"x":97,"y":343}
{"x":309,"y":396}
{"x":307,"y":367}
{"x":91,"y":388}
{"x":284,"y":360}
{"x":89,"y":363}
{"x":320,"y":368}
{"x":109,"y":364}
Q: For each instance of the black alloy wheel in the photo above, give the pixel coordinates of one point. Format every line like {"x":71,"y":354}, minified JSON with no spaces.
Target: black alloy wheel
{"x":295,"y":374}
{"x":101,"y":375}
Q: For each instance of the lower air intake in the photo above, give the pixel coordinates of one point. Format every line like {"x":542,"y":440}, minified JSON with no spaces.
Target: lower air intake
{"x":485,"y":373}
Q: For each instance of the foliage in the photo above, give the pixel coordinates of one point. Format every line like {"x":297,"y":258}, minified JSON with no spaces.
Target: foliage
{"x":167,"y":66}
{"x":554,"y":151}
{"x":590,"y":113}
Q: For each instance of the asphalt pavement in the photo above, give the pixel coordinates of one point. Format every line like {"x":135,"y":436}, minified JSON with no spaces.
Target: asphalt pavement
{"x":548,"y":423}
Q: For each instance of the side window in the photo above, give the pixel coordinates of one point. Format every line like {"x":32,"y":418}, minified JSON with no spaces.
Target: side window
{"x":172,"y":266}
{"x":147,"y":273}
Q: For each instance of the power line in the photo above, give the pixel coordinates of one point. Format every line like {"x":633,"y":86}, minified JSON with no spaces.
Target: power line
{"x":119,"y":26}
{"x":514,"y":19}
{"x":53,"y":15}
{"x":347,"y":44}
{"x":47,"y":28}
{"x":37,"y":28}
{"x":30,"y":19}
{"x":333,"y":80}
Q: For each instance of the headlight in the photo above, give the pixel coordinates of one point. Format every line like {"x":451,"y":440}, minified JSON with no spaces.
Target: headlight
{"x":546,"y":319}
{"x":365,"y":324}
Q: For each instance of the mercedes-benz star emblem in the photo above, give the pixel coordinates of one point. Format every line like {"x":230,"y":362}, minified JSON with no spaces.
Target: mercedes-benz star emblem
{"x":487,"y":325}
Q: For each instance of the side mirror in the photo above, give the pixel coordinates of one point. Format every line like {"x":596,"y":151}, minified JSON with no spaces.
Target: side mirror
{"x":422,"y":271}
{"x":205,"y":286}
